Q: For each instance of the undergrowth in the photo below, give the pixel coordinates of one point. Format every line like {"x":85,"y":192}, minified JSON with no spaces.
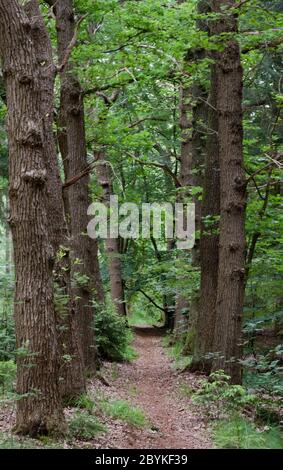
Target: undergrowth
{"x":121,"y":409}
{"x":239,"y":433}
{"x":234,"y":412}
{"x":175,"y":350}
{"x":85,"y":426}
{"x":113,"y":336}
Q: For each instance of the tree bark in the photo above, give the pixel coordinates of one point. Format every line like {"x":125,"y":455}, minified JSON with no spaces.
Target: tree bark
{"x":231,"y":273}
{"x":72,"y":380}
{"x":39,"y":409}
{"x":112,"y":244}
{"x":192,"y":116}
{"x":182,"y":302}
{"x":209,"y":241}
{"x":87,"y":285}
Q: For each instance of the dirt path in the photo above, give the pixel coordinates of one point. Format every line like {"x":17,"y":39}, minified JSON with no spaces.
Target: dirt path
{"x":148,"y":383}
{"x":151,"y":384}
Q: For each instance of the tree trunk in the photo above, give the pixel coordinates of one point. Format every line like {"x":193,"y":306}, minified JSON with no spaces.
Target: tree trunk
{"x":209,"y":242}
{"x":39,"y":408}
{"x":87,"y":285}
{"x":231,"y":273}
{"x":192,"y":102}
{"x":72,"y":380}
{"x":182,"y":302}
{"x":112,"y":244}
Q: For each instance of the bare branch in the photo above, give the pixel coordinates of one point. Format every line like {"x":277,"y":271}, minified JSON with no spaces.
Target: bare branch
{"x":108,"y":100}
{"x":73,"y":43}
{"x":139,"y":121}
{"x":151,"y":300}
{"x":274,"y":161}
{"x":107,"y":86}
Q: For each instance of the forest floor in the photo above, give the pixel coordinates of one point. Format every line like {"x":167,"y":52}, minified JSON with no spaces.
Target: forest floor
{"x":147,"y":390}
{"x":151,"y":384}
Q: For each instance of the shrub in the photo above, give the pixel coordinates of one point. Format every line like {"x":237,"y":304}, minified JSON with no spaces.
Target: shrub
{"x":113,"y":337}
{"x":219,"y":397}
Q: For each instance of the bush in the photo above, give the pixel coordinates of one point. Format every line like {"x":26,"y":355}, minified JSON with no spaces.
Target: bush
{"x":113,"y":337}
{"x":85,"y":426}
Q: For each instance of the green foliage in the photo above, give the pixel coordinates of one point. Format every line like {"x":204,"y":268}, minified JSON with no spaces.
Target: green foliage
{"x":186,"y":391}
{"x":7,"y":338}
{"x":121,"y":409}
{"x":144,"y":314}
{"x":84,"y":402}
{"x":241,"y":434}
{"x":85,"y":426}
{"x":218,"y":396}
{"x":175,"y":350}
{"x":8,"y":371}
{"x":7,"y":325}
{"x":11,"y":442}
{"x":264,"y":372}
{"x":80,"y":280}
{"x":113,"y":337}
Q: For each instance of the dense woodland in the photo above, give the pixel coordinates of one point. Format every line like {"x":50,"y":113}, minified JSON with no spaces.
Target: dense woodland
{"x":155,"y":101}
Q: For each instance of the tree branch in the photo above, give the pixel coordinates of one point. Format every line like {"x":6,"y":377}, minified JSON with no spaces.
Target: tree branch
{"x":271,"y":44}
{"x":139,"y":121}
{"x":151,"y":300}
{"x":107,"y":86}
{"x":60,"y":68}
{"x":165,"y":168}
{"x":275,"y":161}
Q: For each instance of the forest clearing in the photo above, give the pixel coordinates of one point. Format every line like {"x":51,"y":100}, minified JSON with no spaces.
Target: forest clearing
{"x":141,"y":223}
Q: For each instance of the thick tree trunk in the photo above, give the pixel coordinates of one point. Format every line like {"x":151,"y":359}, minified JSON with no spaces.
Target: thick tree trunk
{"x":39,"y":409}
{"x":72,"y":380}
{"x":209,"y":242}
{"x":87,"y":285}
{"x":231,"y":273}
{"x":112,"y":244}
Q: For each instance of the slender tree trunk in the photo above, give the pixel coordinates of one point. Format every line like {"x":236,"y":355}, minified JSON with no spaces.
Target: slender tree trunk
{"x":72,"y":380}
{"x":182,"y":302}
{"x":192,"y":115}
{"x":231,"y":273}
{"x":112,"y":244}
{"x":39,"y":409}
{"x":87,"y":285}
